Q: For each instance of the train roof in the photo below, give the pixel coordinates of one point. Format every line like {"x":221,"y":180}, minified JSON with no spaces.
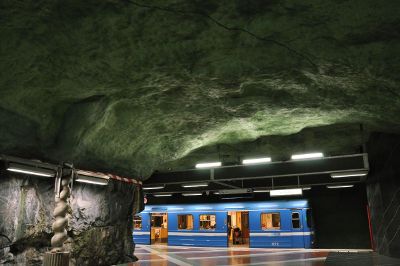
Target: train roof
{"x":231,"y":206}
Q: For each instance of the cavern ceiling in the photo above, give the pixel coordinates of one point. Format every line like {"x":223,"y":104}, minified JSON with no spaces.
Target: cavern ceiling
{"x":130,"y":87}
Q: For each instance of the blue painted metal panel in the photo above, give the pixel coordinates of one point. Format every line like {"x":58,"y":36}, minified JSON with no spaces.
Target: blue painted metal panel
{"x":198,"y":241}
{"x":283,"y":204}
{"x":143,"y":236}
{"x":197,"y":237}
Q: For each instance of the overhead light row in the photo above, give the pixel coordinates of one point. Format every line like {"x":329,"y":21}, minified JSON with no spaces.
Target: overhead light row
{"x":263,"y":160}
{"x":203,"y":184}
{"x":44,"y":172}
{"x":349,"y":174}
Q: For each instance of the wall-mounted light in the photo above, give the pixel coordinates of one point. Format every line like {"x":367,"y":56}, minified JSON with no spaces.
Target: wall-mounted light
{"x":91,"y":178}
{"x":162,"y":195}
{"x":30,"y":170}
{"x":208,"y":165}
{"x":286,"y":192}
{"x":257,"y":160}
{"x":195,"y":185}
{"x":153,"y":187}
{"x":307,"y":156}
{"x":349,"y":174}
{"x":191,"y":194}
{"x":340,"y":186}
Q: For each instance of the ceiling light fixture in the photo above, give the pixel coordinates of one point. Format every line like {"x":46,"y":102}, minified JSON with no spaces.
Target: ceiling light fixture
{"x":208,"y":165}
{"x":306,"y":188}
{"x":195,"y":185}
{"x":162,"y":195}
{"x":29,"y":170}
{"x":155,"y":187}
{"x":257,"y":160}
{"x":307,"y":156}
{"x":340,"y":186}
{"x":349,"y":174}
{"x":286,"y":192}
{"x":92,"y":180}
{"x":261,"y":190}
{"x":91,"y":177}
{"x":191,"y":194}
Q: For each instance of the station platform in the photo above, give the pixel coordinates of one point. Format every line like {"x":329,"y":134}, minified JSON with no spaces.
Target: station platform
{"x":164,"y":255}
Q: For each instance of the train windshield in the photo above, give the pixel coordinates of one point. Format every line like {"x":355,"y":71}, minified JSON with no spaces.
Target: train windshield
{"x":137,"y":222}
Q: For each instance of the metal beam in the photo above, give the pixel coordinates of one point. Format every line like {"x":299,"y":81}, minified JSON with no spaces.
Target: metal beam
{"x":310,"y":167}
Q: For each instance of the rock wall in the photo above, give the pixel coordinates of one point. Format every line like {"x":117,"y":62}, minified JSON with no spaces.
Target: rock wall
{"x":383,"y":190}
{"x":100,"y":220}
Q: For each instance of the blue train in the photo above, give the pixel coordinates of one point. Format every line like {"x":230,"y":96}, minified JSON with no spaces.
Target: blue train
{"x":272,"y":224}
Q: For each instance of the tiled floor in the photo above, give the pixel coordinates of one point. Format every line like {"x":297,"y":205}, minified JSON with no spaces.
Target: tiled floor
{"x":184,"y":256}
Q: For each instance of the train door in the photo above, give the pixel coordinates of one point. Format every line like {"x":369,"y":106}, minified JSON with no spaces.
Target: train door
{"x":297,"y":228}
{"x":141,"y":228}
{"x":159,"y":228}
{"x":238,"y":228}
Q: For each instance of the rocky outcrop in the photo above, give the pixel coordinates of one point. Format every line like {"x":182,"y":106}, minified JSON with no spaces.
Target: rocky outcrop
{"x":100,"y":221}
{"x":133,"y":85}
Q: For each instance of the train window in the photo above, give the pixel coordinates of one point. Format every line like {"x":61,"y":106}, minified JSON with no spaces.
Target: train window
{"x":207,"y":222}
{"x":137,"y":222}
{"x":185,"y":222}
{"x":156,"y":220}
{"x":296,"y":220}
{"x":309,"y":218}
{"x":271,"y":221}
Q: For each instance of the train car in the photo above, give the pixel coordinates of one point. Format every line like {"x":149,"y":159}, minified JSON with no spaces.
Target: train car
{"x":272,"y":224}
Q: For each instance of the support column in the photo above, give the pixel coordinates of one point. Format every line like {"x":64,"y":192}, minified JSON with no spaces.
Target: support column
{"x":58,"y":256}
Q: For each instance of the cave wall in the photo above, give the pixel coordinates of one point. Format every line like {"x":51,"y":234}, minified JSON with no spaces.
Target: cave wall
{"x":383,"y":189}
{"x":99,"y":227}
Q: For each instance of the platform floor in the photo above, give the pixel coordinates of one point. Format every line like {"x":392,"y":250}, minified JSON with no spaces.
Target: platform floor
{"x":184,"y":256}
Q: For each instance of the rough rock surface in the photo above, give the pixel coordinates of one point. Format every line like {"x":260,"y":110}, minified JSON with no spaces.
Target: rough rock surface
{"x":100,"y":229}
{"x":133,"y":86}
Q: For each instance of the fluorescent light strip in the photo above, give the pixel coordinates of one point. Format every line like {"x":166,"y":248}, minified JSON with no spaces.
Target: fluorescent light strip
{"x":208,"y":165}
{"x":29,"y":172}
{"x":286,"y":192}
{"x":191,"y":194}
{"x":348,"y":174}
{"x":195,"y":185}
{"x":162,"y":195}
{"x":340,"y":186}
{"x":307,"y":156}
{"x":306,"y":188}
{"x":150,"y":188}
{"x":102,"y":182}
{"x":257,"y":160}
{"x":261,"y":190}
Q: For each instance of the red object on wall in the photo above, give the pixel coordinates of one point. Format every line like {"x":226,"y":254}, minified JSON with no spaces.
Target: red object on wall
{"x":371,"y":236}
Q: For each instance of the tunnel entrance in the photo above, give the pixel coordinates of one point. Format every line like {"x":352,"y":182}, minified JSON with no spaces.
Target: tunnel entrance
{"x":238,"y":229}
{"x":159,"y":228}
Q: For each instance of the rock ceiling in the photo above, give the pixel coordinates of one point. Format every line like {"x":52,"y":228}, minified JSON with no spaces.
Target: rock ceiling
{"x":134,"y":86}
